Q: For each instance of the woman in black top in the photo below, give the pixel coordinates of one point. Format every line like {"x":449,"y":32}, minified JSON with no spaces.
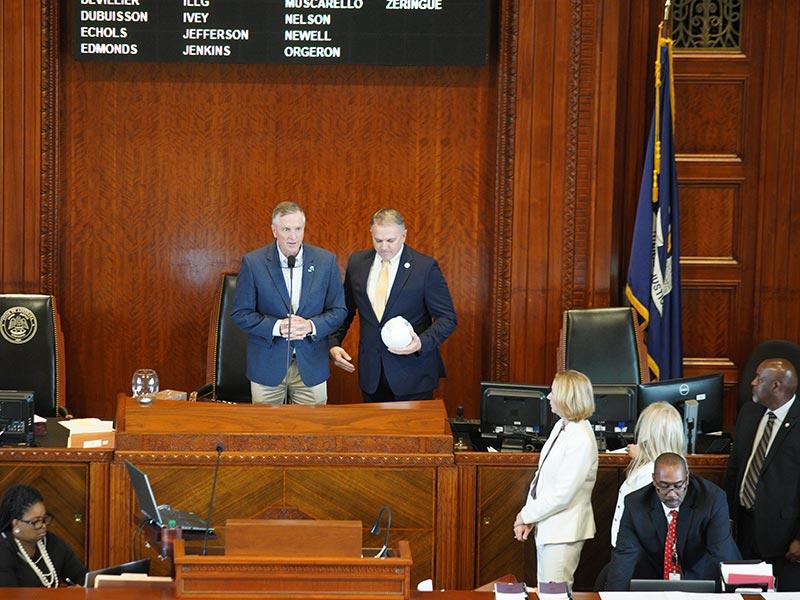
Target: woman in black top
{"x":30,"y":556}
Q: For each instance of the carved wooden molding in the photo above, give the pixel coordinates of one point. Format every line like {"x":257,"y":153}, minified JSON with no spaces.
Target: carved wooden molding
{"x":50,"y":164}
{"x":504,"y":187}
{"x":287,"y":459}
{"x":39,"y":455}
{"x":574,"y":229}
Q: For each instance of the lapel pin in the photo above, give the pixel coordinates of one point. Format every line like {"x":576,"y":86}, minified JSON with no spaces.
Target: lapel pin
{"x":785,"y":424}
{"x":311,"y":269}
{"x":407,"y":266}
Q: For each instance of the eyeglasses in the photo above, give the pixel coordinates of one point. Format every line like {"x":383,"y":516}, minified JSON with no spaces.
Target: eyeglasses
{"x":663,"y":486}
{"x":39,"y":522}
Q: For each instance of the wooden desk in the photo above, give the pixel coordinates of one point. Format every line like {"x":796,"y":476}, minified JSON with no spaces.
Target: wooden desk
{"x":151,"y":594}
{"x":340,"y":462}
{"x":343,"y":462}
{"x":492,"y":489}
{"x":74,"y":484}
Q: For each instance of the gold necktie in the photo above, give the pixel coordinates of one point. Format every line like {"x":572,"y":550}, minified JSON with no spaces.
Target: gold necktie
{"x":381,"y":290}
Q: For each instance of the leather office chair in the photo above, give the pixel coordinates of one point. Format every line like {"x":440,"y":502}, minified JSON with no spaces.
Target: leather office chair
{"x":605,"y":344}
{"x":764,"y":350}
{"x":227,"y":351}
{"x":32,"y":350}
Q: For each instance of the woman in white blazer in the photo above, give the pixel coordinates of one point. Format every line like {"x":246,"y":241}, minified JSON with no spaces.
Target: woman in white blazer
{"x":658,"y":430}
{"x":559,"y":502}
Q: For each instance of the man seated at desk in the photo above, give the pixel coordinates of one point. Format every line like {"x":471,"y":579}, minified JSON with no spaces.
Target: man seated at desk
{"x":678,"y":528}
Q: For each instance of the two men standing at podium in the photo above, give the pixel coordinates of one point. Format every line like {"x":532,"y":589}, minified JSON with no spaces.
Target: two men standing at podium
{"x":389,"y":280}
{"x":274,"y":318}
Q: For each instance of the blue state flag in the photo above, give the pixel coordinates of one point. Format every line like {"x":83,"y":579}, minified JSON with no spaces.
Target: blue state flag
{"x":654,"y":275}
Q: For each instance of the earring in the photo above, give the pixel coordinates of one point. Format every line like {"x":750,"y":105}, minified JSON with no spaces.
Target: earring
{"x":16,"y":530}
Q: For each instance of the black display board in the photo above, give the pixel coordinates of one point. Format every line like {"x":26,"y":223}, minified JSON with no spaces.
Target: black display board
{"x":379,"y":32}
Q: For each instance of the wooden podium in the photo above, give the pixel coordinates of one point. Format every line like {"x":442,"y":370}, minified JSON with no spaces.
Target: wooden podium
{"x":320,"y":578}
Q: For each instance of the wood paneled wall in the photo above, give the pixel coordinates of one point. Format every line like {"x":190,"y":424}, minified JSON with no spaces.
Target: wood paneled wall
{"x":127,"y":188}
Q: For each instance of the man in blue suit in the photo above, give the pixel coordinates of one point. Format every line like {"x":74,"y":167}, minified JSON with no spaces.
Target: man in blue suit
{"x":384,"y":282}
{"x":264,"y":310}
{"x":649,"y":546}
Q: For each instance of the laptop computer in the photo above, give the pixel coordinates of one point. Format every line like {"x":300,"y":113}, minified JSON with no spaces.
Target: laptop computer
{"x":136,"y":566}
{"x":160,"y":515}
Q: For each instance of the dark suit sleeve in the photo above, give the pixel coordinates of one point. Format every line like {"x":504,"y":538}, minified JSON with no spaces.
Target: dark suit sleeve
{"x":625,"y":554}
{"x":66,"y":562}
{"x":244,"y":312}
{"x":719,"y":541}
{"x":439,"y":305}
{"x":337,"y":337}
{"x":8,"y":575}
{"x":334,"y":311}
{"x":732,"y":477}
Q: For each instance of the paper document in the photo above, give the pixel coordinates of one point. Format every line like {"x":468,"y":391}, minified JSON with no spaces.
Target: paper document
{"x":90,"y":425}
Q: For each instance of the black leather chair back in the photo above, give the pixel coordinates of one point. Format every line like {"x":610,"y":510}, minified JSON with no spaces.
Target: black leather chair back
{"x":227,"y":358}
{"x":32,"y":349}
{"x":602,"y":343}
{"x":766,"y":349}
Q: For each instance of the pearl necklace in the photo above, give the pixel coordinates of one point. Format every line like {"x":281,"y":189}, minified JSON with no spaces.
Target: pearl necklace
{"x":49,"y":580}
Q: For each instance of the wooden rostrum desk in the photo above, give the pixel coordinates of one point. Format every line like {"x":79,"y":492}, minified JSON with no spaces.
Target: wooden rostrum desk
{"x":492,"y":489}
{"x":335,"y":462}
{"x":332,"y":462}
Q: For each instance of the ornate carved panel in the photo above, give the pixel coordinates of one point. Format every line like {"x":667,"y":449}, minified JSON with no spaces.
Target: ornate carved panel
{"x":709,"y":318}
{"x":700,"y":126}
{"x":709,"y":224}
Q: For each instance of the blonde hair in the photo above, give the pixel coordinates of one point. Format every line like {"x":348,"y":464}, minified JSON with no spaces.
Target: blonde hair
{"x":659,"y":430}
{"x":572,"y":395}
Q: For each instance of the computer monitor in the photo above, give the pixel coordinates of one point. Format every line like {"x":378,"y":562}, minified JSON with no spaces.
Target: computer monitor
{"x":706,"y":389}
{"x":514,"y":409}
{"x":614,"y":407}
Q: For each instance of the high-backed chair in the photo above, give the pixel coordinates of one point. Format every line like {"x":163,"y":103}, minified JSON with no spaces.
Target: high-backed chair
{"x":766,"y":349}
{"x":227,"y":350}
{"x":605,"y":344}
{"x":32,"y":350}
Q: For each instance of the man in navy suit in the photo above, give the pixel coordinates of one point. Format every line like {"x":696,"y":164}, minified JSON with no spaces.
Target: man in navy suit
{"x":649,"y":548}
{"x":384,"y":282}
{"x":284,"y":327}
{"x":763,"y":476}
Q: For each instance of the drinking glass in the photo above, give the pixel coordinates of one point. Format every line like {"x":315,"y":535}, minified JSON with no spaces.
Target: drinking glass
{"x":144,"y":385}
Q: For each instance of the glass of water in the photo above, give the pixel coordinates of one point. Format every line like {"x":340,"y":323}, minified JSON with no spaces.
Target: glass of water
{"x":144,"y":385}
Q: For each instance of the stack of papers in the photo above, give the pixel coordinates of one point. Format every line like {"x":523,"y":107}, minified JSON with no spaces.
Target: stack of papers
{"x":510,"y":591}
{"x":553,"y":590}
{"x":89,"y":433}
{"x":747,"y":575}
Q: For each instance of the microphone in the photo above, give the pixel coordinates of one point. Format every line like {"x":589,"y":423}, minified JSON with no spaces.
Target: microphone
{"x":220,"y":448}
{"x":290,"y":260}
{"x":376,"y":529}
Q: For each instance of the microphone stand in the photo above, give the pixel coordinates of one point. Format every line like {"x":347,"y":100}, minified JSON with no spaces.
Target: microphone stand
{"x":220,"y":448}
{"x":376,"y":529}
{"x":290,"y":261}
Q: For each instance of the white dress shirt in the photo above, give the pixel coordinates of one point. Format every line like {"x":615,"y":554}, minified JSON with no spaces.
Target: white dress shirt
{"x":636,"y":480}
{"x":296,"y":286}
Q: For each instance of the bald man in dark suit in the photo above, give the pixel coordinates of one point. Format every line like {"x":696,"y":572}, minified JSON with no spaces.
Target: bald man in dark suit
{"x":763,"y":475}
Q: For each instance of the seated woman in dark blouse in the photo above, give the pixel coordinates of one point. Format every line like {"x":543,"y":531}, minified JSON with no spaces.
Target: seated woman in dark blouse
{"x":30,"y":556}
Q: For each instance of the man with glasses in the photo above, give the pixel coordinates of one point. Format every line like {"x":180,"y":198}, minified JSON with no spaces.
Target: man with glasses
{"x":678,"y":528}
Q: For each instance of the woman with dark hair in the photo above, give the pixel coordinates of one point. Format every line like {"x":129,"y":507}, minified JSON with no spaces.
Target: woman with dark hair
{"x":30,"y":556}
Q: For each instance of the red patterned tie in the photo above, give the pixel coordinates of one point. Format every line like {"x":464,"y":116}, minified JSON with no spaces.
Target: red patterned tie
{"x":670,"y":550}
